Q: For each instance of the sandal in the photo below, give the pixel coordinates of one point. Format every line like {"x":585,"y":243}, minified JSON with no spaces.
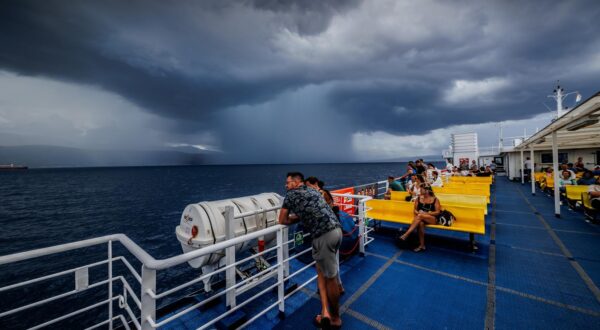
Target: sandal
{"x":420,"y":249}
{"x":324,"y":322}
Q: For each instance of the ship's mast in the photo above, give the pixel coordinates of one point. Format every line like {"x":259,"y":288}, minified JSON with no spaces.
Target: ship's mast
{"x":559,"y":95}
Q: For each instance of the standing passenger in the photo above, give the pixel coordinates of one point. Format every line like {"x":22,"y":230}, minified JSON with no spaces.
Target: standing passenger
{"x":310,"y":207}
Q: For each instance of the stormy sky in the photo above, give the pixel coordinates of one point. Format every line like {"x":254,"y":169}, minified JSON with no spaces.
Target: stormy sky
{"x":287,"y":81}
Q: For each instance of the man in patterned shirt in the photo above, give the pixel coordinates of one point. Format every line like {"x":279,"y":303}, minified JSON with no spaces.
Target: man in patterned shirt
{"x":308,"y":205}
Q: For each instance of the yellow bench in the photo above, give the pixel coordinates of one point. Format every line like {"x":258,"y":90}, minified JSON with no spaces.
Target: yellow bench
{"x":468,"y":219}
{"x":475,"y":185}
{"x":466,"y":190}
{"x":588,"y":210}
{"x":477,"y":201}
{"x":538,"y":176}
{"x":471,"y":179}
{"x":574,"y":192}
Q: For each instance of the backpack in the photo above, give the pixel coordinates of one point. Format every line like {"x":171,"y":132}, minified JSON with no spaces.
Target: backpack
{"x":446,"y":218}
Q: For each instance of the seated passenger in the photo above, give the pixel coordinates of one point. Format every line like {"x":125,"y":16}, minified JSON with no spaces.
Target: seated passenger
{"x":579,"y":166}
{"x":565,"y":167}
{"x":596,"y":170}
{"x":594,"y":192}
{"x":565,"y":180}
{"x":427,"y":208}
{"x":393,"y":186}
{"x":416,"y":183}
{"x":436,"y":181}
{"x":587,"y":178}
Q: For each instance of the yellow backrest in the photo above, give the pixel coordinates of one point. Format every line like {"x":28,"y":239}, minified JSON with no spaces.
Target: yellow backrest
{"x":538,"y":176}
{"x":465,"y":190}
{"x":574,"y":192}
{"x":473,"y":179}
{"x":467,"y":214}
{"x":586,"y":200}
{"x":399,"y":195}
{"x":475,"y":185}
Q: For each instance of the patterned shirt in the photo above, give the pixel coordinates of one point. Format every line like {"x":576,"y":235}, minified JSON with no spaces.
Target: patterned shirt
{"x":310,"y":206}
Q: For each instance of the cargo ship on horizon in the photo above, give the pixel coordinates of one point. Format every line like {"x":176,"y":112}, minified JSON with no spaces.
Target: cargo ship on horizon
{"x":12,"y":167}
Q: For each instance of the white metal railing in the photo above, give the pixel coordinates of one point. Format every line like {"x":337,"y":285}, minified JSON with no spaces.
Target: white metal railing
{"x":145,"y":303}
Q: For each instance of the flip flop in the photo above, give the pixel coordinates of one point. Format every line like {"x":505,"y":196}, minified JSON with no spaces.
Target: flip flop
{"x":420,"y":249}
{"x":325,"y":322}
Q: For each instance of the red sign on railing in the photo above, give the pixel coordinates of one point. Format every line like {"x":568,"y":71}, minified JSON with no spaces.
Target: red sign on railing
{"x":346,"y":204}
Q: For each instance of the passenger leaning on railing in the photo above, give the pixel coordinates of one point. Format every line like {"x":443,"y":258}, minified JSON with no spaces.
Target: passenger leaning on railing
{"x":309,"y":206}
{"x":315,"y":183}
{"x":427,"y":208}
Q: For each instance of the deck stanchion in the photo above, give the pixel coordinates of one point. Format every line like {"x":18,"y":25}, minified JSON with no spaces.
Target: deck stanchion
{"x":148,"y":303}
{"x":110,"y":286}
{"x":280,"y":275}
{"x":361,"y":227}
{"x":532,"y":174}
{"x":286,"y":252}
{"x":555,"y":169}
{"x":229,"y":257}
{"x":522,"y":169}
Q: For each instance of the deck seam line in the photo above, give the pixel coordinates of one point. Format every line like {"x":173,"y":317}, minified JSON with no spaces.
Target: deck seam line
{"x":535,"y":251}
{"x":365,"y":319}
{"x":542,"y":228}
{"x":549,"y":302}
{"x":490,"y":310}
{"x":580,"y":271}
{"x":499,"y":288}
{"x":363,"y":288}
{"x":357,"y":315}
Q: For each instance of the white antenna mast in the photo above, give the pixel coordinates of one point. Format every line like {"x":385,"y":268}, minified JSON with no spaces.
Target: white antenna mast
{"x":559,"y":96}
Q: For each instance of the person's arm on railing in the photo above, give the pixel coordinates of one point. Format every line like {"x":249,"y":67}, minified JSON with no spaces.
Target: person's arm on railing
{"x":285,"y":218}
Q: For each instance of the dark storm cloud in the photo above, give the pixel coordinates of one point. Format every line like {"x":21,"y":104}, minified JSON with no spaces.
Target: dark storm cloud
{"x":242,"y":71}
{"x":64,"y":41}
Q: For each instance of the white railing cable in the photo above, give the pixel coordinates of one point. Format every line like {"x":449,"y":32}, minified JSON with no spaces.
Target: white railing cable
{"x":45,"y":301}
{"x":66,"y":316}
{"x":301,"y":270}
{"x":131,"y":269}
{"x":64,"y":272}
{"x":118,"y":317}
{"x":207,"y":275}
{"x":200,"y":304}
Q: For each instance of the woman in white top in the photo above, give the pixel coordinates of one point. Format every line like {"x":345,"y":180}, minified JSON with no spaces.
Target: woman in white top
{"x":436,"y":181}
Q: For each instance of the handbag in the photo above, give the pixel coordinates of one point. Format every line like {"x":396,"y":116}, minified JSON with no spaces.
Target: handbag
{"x":446,"y":218}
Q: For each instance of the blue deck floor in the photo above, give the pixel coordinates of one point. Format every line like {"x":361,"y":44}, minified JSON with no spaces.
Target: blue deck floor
{"x":532,"y":271}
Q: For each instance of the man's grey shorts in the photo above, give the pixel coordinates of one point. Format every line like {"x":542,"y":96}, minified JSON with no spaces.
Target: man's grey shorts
{"x":324,"y":250}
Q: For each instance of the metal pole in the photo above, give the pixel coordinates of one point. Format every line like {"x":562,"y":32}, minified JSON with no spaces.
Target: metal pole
{"x":522,"y":169}
{"x":110,"y":286}
{"x":532,"y":175}
{"x":361,"y":227}
{"x":280,"y":275}
{"x":286,"y":252}
{"x":229,"y":258}
{"x":555,"y":168}
{"x":148,"y":303}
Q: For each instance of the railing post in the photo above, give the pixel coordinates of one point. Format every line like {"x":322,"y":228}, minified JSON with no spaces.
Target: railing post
{"x":110,"y":286}
{"x":229,"y":257}
{"x":361,"y":227}
{"x":280,"y":275}
{"x":286,"y":252}
{"x":148,"y":303}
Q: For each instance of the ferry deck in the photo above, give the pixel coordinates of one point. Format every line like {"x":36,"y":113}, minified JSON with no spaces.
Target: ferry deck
{"x":532,"y":271}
